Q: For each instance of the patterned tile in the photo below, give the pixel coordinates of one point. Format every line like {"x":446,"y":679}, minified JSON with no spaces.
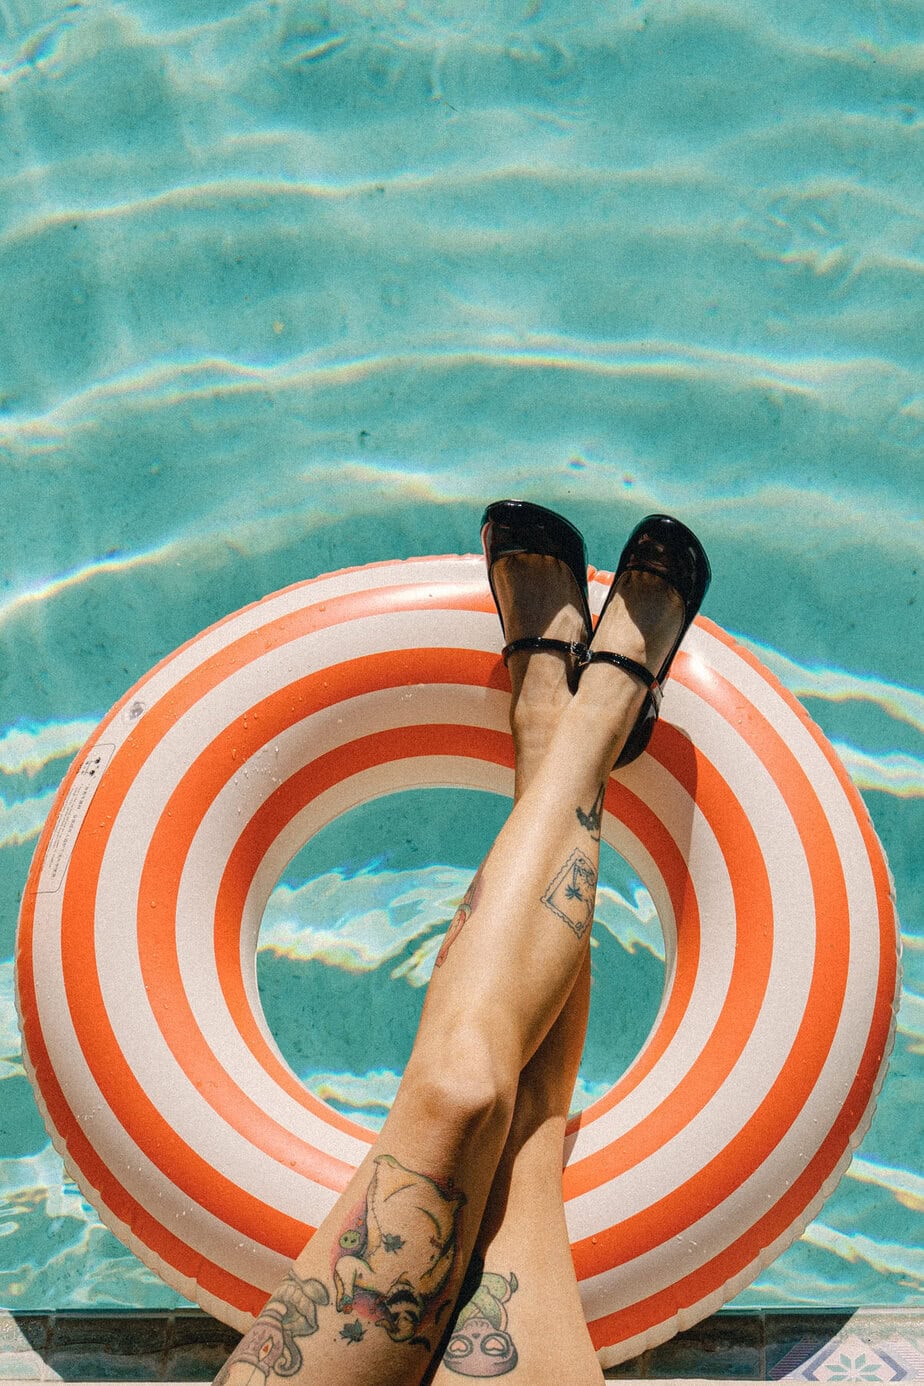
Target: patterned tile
{"x":850,"y":1359}
{"x":867,"y":1346}
{"x":22,"y":1345}
{"x":792,"y":1339}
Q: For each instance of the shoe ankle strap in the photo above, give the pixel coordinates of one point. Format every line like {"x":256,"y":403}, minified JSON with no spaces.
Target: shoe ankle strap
{"x":629,"y":666}
{"x":575,"y":648}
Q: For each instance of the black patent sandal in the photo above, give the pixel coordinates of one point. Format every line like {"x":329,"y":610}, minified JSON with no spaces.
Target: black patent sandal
{"x":661,"y":545}
{"x":515,"y":526}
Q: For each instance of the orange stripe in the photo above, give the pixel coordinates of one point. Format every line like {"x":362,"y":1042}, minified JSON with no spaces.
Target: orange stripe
{"x":321,"y":615}
{"x":640,"y":820}
{"x":888,"y":987}
{"x":170,"y":846}
{"x":792,"y":1088}
{"x":81,"y":982}
{"x":790,"y":1210}
{"x":264,"y":827}
{"x":177,"y":1160}
{"x":740,"y":1009}
{"x":81,"y":1154}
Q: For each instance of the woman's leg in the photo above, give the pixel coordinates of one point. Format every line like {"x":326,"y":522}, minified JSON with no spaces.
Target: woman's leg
{"x":368,"y":1299}
{"x":520,"y":1310}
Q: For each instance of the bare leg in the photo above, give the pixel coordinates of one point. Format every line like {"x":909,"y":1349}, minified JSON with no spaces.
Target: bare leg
{"x":368,"y":1298}
{"x":520,"y":1310}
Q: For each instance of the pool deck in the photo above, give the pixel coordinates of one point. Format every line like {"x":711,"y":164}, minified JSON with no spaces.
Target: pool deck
{"x":845,"y":1346}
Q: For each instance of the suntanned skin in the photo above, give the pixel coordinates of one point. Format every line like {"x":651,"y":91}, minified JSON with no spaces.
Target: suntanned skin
{"x":471,"y":1152}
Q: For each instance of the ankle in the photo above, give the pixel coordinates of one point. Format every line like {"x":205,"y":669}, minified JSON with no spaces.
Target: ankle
{"x":530,"y":749}
{"x":606,"y":707}
{"x":540,"y":696}
{"x":594,"y":728}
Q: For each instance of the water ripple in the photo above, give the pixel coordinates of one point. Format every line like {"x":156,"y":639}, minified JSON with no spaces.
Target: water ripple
{"x":213,"y":376}
{"x":10,"y":1041}
{"x":46,"y":591}
{"x":837,"y":685}
{"x":911,"y":1015}
{"x":22,"y":820}
{"x":906,"y":1263}
{"x":905,"y":1186}
{"x":28,"y":749}
{"x":360,"y":922}
{"x":888,"y":773}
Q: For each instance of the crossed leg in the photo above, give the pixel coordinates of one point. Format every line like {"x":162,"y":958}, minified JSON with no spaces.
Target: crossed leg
{"x":526,"y":1308}
{"x":520,"y":1307}
{"x":369,"y":1298}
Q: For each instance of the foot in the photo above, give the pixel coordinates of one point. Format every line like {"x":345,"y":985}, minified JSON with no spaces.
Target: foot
{"x":641,"y":621}
{"x":537,"y":596}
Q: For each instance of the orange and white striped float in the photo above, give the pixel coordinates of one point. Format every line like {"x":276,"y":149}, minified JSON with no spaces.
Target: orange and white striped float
{"x":155,"y":1069}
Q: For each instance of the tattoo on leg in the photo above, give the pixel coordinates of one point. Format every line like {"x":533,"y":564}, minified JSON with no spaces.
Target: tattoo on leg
{"x":572,"y":893}
{"x":592,"y":820}
{"x":459,"y":919}
{"x":270,"y":1348}
{"x":397,"y":1255}
{"x":479,"y":1343}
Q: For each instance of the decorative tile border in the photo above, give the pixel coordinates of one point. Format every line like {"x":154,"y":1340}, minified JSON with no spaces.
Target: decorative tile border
{"x":838,"y":1346}
{"x":829,"y":1345}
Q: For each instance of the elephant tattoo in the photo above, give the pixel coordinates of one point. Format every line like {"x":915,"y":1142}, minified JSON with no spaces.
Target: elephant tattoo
{"x":398,"y":1256}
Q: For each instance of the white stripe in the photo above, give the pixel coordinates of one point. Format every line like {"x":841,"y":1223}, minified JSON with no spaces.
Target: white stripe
{"x":428,"y":576}
{"x":119,"y":965}
{"x":707,"y":1134}
{"x":787,"y":988}
{"x":173,"y":1209}
{"x":215,"y":839}
{"x":645,"y":1275}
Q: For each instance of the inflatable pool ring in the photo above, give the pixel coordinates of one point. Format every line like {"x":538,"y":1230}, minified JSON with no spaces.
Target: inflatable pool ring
{"x":153,"y":1064}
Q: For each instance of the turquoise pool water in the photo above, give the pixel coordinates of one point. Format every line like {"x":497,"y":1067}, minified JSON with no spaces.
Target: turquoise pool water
{"x":289,"y":286}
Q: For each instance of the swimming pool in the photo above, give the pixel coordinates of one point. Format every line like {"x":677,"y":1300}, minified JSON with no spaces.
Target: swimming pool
{"x":291,"y":286}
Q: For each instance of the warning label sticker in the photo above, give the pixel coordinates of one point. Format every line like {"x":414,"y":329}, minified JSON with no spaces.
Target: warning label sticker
{"x":73,"y":812}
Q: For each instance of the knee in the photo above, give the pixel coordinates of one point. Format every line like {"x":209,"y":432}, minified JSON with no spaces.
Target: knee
{"x":465,"y":1082}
